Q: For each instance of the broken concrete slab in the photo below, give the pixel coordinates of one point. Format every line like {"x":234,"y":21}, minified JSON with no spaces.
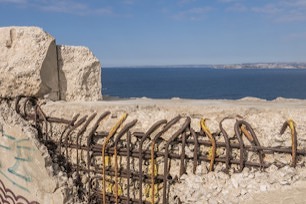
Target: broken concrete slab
{"x":80,"y":74}
{"x":28,"y":63}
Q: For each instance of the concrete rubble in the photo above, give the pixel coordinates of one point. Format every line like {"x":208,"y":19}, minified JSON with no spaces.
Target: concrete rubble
{"x":219,"y":187}
{"x":266,"y":117}
{"x":28,"y":54}
{"x":32,"y":65}
{"x":80,"y":74}
{"x":35,"y":177}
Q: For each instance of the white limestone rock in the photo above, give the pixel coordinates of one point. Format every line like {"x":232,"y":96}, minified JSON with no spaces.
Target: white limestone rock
{"x":28,"y":63}
{"x":80,"y":74}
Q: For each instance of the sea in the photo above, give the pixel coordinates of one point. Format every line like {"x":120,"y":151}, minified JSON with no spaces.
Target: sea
{"x":203,"y":83}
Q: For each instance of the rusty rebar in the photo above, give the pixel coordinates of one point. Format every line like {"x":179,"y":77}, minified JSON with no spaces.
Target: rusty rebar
{"x":212,"y":139}
{"x":96,"y":196}
{"x":146,"y":136}
{"x":128,"y":160}
{"x":291,"y":124}
{"x":195,"y":150}
{"x":241,"y":146}
{"x":30,"y":109}
{"x":248,"y":131}
{"x":251,"y":136}
{"x":228,"y":149}
{"x":65,"y":129}
{"x":17,"y":105}
{"x":182,"y":164}
{"x":166,"y":168}
{"x":33,"y":101}
{"x":90,"y":138}
{"x":76,"y":125}
{"x":146,"y":154}
{"x":123,"y":131}
{"x":81,"y":132}
{"x":39,"y":112}
{"x":167,"y":127}
{"x":110,"y":135}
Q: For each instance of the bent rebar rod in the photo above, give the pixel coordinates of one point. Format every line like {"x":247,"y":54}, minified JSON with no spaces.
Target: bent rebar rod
{"x":213,"y":143}
{"x":111,"y":133}
{"x":166,"y":168}
{"x":291,"y":124}
{"x":167,"y":127}
{"x":89,"y":140}
{"x":147,"y":135}
{"x":124,"y":130}
{"x":227,"y":143}
{"x":195,"y":150}
{"x":248,"y":131}
{"x":252,"y":138}
{"x":76,"y":125}
{"x":81,"y":131}
{"x":71,"y":124}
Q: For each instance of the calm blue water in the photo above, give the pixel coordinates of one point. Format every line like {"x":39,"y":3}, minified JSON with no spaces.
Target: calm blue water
{"x":203,"y":83}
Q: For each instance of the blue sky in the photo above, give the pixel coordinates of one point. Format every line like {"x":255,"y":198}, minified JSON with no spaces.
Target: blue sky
{"x":170,"y":32}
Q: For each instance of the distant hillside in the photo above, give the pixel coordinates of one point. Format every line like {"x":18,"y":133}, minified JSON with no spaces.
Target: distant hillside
{"x":271,"y":65}
{"x":262,"y":66}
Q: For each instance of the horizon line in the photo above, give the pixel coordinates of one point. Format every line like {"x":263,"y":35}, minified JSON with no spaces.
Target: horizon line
{"x":200,"y":65}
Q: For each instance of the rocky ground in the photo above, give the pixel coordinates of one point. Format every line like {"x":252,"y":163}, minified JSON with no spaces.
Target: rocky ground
{"x":252,"y":185}
{"x":272,"y":185}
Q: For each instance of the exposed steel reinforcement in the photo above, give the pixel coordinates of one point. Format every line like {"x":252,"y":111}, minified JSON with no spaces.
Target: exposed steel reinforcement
{"x":124,"y":166}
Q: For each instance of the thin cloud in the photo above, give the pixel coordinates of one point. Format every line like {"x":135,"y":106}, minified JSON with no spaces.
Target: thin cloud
{"x":297,"y":16}
{"x":268,"y":9}
{"x":193,"y":14}
{"x":284,"y":11}
{"x":62,"y":7}
{"x":72,"y":8}
{"x":14,"y":1}
{"x":58,"y":6}
{"x":295,"y":11}
{"x":182,"y":2}
{"x":299,"y":37}
{"x":237,"y":7}
{"x":228,"y":1}
{"x":294,"y":3}
{"x":280,"y":11}
{"x":129,"y":2}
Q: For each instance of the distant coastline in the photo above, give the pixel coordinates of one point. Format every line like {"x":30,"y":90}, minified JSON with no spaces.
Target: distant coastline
{"x":263,"y":66}
{"x":272,"y":65}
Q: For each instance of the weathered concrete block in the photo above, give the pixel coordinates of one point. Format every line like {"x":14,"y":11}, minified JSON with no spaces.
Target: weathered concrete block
{"x":80,"y":74}
{"x":26,"y":168}
{"x":28,"y":63}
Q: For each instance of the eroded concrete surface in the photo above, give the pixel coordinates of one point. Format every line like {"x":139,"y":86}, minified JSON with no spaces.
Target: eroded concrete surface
{"x":283,"y":185}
